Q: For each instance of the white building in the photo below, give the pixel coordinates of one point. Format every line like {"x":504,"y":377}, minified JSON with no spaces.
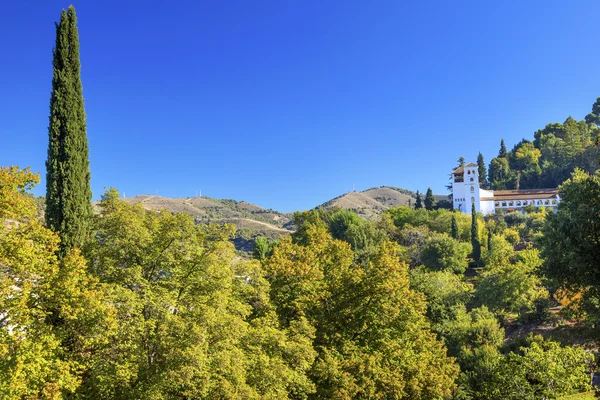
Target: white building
{"x":466,"y":191}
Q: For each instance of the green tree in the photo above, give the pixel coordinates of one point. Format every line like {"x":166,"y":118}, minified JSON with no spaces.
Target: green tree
{"x":475,"y":240}
{"x":429,"y":200}
{"x":372,"y":336}
{"x":68,"y":192}
{"x":444,"y":290}
{"x":418,"y":202}
{"x":502,"y":153}
{"x":571,"y":240}
{"x":541,"y":370}
{"x":513,"y":287}
{"x":441,"y":252}
{"x":454,"y":229}
{"x":192,"y":322}
{"x":594,"y":116}
{"x":53,"y":314}
{"x":499,"y":173}
{"x":481,"y":169}
{"x":262,"y":248}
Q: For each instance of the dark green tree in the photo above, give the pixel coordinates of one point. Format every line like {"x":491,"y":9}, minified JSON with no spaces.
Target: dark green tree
{"x":594,"y":116}
{"x":475,"y":241}
{"x":68,"y":192}
{"x":461,"y":161}
{"x":571,"y":240}
{"x":454,"y":229}
{"x":429,"y":200}
{"x":418,"y":202}
{"x":502,"y":153}
{"x":481,"y":169}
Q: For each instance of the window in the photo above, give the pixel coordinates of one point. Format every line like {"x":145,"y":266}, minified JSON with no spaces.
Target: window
{"x":546,"y":202}
{"x":497,"y":204}
{"x":472,"y":189}
{"x":472,"y":179}
{"x":503,"y":204}
{"x":518,"y":203}
{"x":553,"y":201}
{"x":472,"y":199}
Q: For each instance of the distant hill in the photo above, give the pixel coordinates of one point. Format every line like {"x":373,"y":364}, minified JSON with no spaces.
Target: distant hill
{"x":252,"y":220}
{"x":372,"y":202}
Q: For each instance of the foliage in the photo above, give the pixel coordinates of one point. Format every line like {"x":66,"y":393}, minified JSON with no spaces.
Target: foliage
{"x":556,"y":151}
{"x":481,"y":169}
{"x":541,"y":370}
{"x":418,"y":203}
{"x":191,"y":322}
{"x":443,"y":290}
{"x":68,"y":192}
{"x":475,"y":239}
{"x":371,"y":332}
{"x":262,"y":248}
{"x":469,"y":330}
{"x":429,"y":200}
{"x":571,"y":240}
{"x":52,"y":313}
{"x":512,"y":287}
{"x":454,"y":228}
{"x":441,"y":252}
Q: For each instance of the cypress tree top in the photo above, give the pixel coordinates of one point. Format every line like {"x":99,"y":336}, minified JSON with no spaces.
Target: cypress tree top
{"x":68,"y":192}
{"x":429,"y":199}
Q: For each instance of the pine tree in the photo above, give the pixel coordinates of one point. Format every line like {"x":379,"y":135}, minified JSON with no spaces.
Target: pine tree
{"x":475,"y":235}
{"x":68,"y":192}
{"x":461,"y":161}
{"x":429,"y":200}
{"x":454,"y":229}
{"x":481,"y":169}
{"x":502,"y":153}
{"x":418,"y":203}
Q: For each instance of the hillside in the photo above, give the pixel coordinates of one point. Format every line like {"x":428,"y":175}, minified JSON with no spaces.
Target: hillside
{"x":372,"y":202}
{"x":252,"y":220}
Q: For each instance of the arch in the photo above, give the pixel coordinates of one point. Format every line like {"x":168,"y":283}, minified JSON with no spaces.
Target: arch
{"x":472,"y":189}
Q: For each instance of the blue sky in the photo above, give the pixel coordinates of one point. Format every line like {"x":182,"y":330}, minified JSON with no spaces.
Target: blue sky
{"x":289,"y":103}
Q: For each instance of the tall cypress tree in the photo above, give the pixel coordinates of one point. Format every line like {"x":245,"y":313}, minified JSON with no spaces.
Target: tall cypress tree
{"x":481,"y":169}
{"x":454,"y":228}
{"x":429,"y":200}
{"x":502,"y":153}
{"x":68,"y":192}
{"x":418,"y":203}
{"x":475,"y":241}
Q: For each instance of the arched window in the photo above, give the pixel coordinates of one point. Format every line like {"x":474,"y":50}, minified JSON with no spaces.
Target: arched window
{"x":518,"y":203}
{"x":472,"y":179}
{"x":503,"y":204}
{"x":472,"y":199}
{"x":468,"y":172}
{"x":497,"y":204}
{"x":553,"y":201}
{"x":510,"y":203}
{"x":472,"y":189}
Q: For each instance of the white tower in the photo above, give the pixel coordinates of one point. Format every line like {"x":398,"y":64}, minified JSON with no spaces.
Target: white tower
{"x":465,"y":188}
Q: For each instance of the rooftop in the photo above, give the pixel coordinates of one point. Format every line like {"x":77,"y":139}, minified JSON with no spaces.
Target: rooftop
{"x":461,"y":170}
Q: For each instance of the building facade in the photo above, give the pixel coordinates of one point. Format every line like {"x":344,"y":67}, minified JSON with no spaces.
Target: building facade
{"x":466,"y":192}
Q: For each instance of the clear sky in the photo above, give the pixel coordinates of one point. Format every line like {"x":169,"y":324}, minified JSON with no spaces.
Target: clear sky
{"x":289,"y":103}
